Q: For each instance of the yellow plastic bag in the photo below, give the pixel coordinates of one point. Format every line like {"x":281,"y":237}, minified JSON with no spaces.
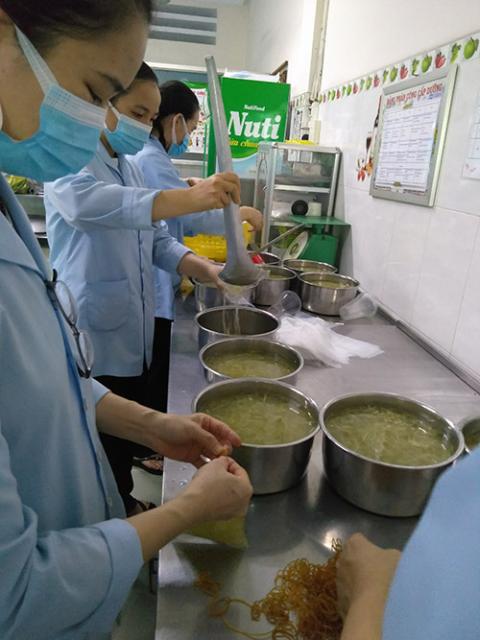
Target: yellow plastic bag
{"x":229,"y":532}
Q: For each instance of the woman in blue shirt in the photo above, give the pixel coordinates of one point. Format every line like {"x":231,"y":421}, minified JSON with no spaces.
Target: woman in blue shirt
{"x":67,"y":555}
{"x":431,"y":591}
{"x":104,"y":245}
{"x":176,"y":122}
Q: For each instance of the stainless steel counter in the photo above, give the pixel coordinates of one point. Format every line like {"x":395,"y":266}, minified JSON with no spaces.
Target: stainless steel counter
{"x":300,"y":522}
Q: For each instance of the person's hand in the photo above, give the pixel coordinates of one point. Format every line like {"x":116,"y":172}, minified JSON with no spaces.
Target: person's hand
{"x":188,"y":438}
{"x":364,"y":571}
{"x":211,"y":273}
{"x":216,"y":192}
{"x":220,"y":490}
{"x":201,"y":269}
{"x":193,"y":181}
{"x":252,"y":216}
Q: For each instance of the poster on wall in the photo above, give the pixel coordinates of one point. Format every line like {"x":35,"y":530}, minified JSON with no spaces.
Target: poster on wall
{"x":411,"y":135}
{"x":256,"y":112}
{"x":471,"y":168}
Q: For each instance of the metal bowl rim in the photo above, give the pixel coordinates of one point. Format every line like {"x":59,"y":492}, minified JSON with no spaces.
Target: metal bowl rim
{"x":285,"y":347}
{"x":396,"y":396}
{"x":212,"y":285}
{"x":317,"y":262}
{"x":237,"y":306}
{"x":265,"y":253}
{"x":276,"y":266}
{"x":302,"y":277}
{"x":461,"y":426}
{"x":276,"y":383}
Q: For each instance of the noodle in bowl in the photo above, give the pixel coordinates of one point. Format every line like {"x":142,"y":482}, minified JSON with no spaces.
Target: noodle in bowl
{"x":291,"y":424}
{"x":370,"y":481}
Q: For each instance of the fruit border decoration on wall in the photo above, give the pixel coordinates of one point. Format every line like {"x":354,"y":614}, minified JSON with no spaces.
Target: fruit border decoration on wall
{"x":453,"y":53}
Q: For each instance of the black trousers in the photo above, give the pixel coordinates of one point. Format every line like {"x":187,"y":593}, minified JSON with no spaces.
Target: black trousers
{"x":149,"y":389}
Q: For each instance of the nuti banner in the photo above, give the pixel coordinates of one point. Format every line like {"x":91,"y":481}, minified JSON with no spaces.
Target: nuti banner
{"x":256,"y":112}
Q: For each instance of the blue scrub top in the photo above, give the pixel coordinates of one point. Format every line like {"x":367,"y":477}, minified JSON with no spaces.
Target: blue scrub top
{"x":65,"y":566}
{"x":104,"y":245}
{"x":435,"y":594}
{"x":160,"y":173}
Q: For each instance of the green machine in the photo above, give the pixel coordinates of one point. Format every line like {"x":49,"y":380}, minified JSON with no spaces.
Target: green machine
{"x":320,"y":241}
{"x":296,"y":184}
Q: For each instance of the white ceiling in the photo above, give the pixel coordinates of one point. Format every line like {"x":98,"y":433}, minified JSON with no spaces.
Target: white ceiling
{"x":210,"y":3}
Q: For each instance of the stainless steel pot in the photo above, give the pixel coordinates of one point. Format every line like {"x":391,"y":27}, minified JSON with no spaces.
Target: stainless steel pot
{"x":240,"y":345}
{"x":386,"y":489}
{"x":207,"y":296}
{"x":234,"y":321}
{"x":272,"y":468}
{"x":269,"y":289}
{"x":324,"y":300}
{"x":268,"y":258}
{"x":304,"y":266}
{"x":470,"y":428}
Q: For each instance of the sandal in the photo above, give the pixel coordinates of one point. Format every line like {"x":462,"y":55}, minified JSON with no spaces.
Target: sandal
{"x":146,"y":506}
{"x":143,"y":463}
{"x":141,"y":507}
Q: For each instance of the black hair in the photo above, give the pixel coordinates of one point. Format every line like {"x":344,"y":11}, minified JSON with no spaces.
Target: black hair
{"x":44,"y":22}
{"x":176,"y":98}
{"x":144,"y":74}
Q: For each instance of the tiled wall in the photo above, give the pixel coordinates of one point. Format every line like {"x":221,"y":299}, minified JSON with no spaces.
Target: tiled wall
{"x":422,"y":264}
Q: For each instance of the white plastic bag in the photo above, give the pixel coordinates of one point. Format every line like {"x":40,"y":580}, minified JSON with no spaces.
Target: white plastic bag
{"x":317,"y":341}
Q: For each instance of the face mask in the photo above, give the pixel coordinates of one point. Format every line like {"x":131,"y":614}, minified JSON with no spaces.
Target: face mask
{"x":129,"y":136}
{"x":68,"y":133}
{"x":175,"y":148}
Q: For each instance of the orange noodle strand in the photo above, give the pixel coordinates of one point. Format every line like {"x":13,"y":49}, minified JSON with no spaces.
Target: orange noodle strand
{"x":302,"y":605}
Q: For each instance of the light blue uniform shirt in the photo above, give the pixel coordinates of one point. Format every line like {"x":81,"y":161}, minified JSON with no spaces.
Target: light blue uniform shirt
{"x":160,"y":173}
{"x":103,"y":245}
{"x":435,"y":594}
{"x":64,"y":569}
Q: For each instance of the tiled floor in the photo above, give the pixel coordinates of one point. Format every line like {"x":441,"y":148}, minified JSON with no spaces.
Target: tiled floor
{"x":137,"y":620}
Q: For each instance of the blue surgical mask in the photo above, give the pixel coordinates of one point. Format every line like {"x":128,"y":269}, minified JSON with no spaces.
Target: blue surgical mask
{"x":175,"y":148}
{"x":67,"y":135}
{"x":129,"y":136}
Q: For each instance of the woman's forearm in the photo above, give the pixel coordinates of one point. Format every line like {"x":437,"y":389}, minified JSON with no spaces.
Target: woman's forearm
{"x":172,"y":203}
{"x":157,"y":527}
{"x":116,"y":416}
{"x":213,"y":193}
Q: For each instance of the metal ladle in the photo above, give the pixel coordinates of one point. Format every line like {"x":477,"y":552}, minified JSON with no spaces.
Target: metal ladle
{"x":239,"y":269}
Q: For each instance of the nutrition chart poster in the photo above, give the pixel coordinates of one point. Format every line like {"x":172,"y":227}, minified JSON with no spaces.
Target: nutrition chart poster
{"x":412,"y":128}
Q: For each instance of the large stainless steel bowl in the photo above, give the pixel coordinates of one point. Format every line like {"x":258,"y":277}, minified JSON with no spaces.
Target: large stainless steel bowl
{"x":269,"y":348}
{"x":326,"y":301}
{"x":470,"y":427}
{"x":269,"y":289}
{"x":234,"y":321}
{"x":272,"y":468}
{"x":306,"y":266}
{"x":386,"y":489}
{"x":207,"y":296}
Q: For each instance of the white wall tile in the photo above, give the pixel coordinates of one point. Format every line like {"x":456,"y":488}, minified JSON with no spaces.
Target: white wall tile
{"x":454,"y":191}
{"x":446,"y":263}
{"x":415,"y":260}
{"x":372,"y":223}
{"x":466,"y":346}
{"x":404,"y":259}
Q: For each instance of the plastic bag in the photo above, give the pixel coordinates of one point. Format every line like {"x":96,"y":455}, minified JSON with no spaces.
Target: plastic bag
{"x":317,"y":341}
